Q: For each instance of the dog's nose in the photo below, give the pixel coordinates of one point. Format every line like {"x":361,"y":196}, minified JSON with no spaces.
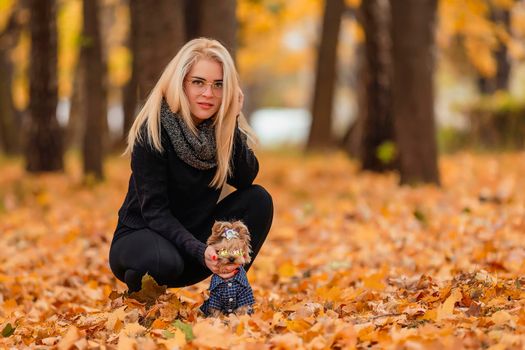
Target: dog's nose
{"x":231,"y":258}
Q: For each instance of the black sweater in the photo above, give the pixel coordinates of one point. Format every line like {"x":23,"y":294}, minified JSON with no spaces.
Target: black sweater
{"x":169,"y":196}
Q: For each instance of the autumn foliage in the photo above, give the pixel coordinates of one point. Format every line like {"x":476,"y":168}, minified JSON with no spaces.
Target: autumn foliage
{"x":352,"y":261}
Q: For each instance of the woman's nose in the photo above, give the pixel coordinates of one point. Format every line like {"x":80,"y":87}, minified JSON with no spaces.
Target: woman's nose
{"x":207,"y":91}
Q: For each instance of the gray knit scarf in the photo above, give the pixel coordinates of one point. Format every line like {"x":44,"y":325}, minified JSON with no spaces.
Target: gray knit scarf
{"x":198,"y":151}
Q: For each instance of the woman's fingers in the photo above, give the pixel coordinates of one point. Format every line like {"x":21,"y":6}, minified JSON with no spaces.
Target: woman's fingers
{"x":210,"y":258}
{"x":227,"y":275}
{"x":240,"y":101}
{"x":212,"y":262}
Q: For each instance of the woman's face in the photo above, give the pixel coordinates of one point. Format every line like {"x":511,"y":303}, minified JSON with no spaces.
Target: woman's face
{"x":203,"y":87}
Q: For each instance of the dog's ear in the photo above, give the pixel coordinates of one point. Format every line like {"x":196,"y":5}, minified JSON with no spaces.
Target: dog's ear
{"x":216,"y":232}
{"x":247,"y":252}
{"x":244,"y":234}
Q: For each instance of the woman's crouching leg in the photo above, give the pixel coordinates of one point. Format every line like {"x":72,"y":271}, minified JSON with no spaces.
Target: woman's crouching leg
{"x":145,"y":251}
{"x":254,"y":206}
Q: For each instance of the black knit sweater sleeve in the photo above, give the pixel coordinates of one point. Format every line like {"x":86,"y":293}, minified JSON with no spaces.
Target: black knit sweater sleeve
{"x":244,"y":163}
{"x":150,"y":170}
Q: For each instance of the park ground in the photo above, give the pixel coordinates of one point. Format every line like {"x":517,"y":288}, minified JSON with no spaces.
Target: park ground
{"x":352,"y":261}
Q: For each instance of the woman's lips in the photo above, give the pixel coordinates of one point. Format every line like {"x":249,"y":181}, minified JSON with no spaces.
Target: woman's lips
{"x":205,"y":105}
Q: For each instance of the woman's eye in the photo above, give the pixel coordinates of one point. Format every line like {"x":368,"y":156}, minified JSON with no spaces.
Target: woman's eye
{"x":217,"y":85}
{"x":197,"y":82}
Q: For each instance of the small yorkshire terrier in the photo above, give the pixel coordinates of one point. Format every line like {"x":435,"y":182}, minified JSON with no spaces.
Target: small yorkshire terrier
{"x":231,"y":240}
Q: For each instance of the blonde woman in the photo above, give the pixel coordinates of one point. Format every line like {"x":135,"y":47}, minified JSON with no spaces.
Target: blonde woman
{"x":187,"y":142}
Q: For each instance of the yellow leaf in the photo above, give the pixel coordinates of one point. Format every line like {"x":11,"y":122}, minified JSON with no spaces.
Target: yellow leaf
{"x":430,"y":315}
{"x":277,"y":318}
{"x":288,"y":341}
{"x":43,"y":199}
{"x":69,"y":339}
{"x":210,"y":334}
{"x":240,"y":329}
{"x":133,"y":329}
{"x":126,"y":343}
{"x":346,"y":336}
{"x":9,"y":305}
{"x":115,"y":318}
{"x":375,"y":281}
{"x":332,"y":294}
{"x":158,"y":323}
{"x":502,"y":318}
{"x":366,"y":333}
{"x":447,"y":309}
{"x":298,"y":326}
{"x":287,"y":270}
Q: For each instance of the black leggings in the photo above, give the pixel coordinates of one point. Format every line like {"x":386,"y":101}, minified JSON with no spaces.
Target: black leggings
{"x":142,"y":251}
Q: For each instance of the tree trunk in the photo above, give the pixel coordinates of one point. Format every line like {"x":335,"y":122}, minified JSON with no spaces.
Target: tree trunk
{"x":130,"y":99}
{"x":130,"y":92}
{"x":413,"y":24}
{"x":160,"y":34}
{"x":94,"y":111}
{"x":192,"y":19}
{"x":75,"y":124}
{"x":44,"y":151}
{"x":320,"y":131}
{"x":201,"y":21}
{"x":9,"y":133}
{"x":10,"y":125}
{"x":223,"y":30}
{"x":377,"y":124}
{"x":501,"y":80}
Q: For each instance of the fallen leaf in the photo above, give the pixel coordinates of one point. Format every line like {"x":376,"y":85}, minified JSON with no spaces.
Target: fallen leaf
{"x":8,"y":330}
{"x":288,"y":341}
{"x":149,"y":292}
{"x":126,"y":343}
{"x":133,"y":329}
{"x":185,"y":328}
{"x":447,"y":309}
{"x":72,"y":335}
{"x":212,"y":335}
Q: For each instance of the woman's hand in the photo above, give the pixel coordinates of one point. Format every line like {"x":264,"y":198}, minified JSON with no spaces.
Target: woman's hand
{"x":239,"y":102}
{"x":212,"y":262}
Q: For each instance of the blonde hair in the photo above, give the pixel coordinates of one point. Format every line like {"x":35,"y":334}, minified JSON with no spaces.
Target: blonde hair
{"x":170,"y":86}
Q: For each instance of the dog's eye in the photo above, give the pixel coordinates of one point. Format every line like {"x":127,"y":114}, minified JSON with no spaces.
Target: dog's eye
{"x":223,"y":253}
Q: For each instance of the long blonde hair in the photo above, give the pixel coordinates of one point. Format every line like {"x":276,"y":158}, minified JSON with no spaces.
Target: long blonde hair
{"x":170,"y":86}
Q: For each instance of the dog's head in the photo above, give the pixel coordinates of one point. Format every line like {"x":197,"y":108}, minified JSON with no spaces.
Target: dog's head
{"x":231,"y":240}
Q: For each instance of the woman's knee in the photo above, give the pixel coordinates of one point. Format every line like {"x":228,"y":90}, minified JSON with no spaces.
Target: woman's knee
{"x":259,"y":195}
{"x":169,"y":263}
{"x":142,"y":252}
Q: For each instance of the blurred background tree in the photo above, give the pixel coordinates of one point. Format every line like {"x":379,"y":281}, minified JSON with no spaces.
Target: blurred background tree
{"x":368,"y":90}
{"x":413,"y":24}
{"x":372,"y":130}
{"x":44,"y":146}
{"x":320,"y":135}
{"x":93,"y":92}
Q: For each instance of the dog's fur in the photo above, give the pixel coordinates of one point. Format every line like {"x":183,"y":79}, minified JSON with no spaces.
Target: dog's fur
{"x":219,"y":241}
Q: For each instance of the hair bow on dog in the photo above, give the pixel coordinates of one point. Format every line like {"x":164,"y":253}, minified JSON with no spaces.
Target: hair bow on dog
{"x":230,"y":234}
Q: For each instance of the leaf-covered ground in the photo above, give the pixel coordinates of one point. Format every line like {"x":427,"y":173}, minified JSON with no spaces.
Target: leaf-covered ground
{"x":352,"y":261}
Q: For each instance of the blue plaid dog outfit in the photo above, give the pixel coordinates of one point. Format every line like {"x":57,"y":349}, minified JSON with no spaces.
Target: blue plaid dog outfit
{"x":228,"y":295}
